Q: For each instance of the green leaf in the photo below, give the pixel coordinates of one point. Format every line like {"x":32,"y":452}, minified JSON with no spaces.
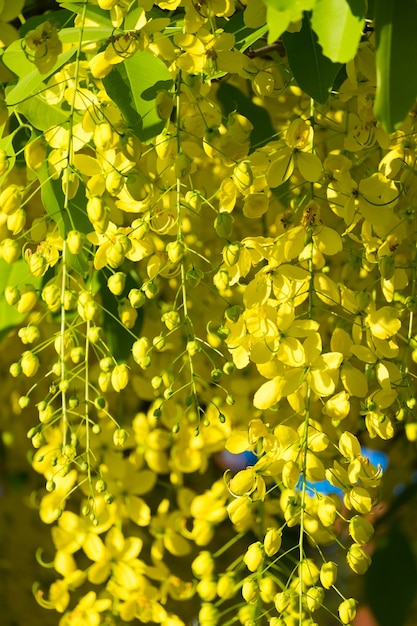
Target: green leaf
{"x":42,"y":115}
{"x":118,"y":89}
{"x":94,"y":13}
{"x":6,"y":144}
{"x":90,"y":34}
{"x":53,"y":200}
{"x":391,"y":581}
{"x":232,"y":99}
{"x":244,"y":37}
{"x":75,"y":217}
{"x":314,"y":72}
{"x":133,"y":86}
{"x":14,"y":275}
{"x":280,"y":13}
{"x":31,"y":79}
{"x":396,"y":60}
{"x":119,"y":339}
{"x":339,"y":25}
{"x":59,"y":18}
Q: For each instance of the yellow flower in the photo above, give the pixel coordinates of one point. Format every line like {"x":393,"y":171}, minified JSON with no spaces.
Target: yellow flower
{"x":319,"y":369}
{"x":73,"y":530}
{"x":87,"y":612}
{"x":294,"y":151}
{"x":166,"y":527}
{"x":115,"y":557}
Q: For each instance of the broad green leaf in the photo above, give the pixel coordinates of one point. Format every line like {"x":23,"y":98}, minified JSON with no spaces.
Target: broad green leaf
{"x":391,"y":581}
{"x":119,"y":339}
{"x":14,"y":275}
{"x":244,"y":37}
{"x":6,"y":144}
{"x":133,"y":86}
{"x":396,"y":60}
{"x":232,"y":99}
{"x":118,"y":88}
{"x":53,"y":200}
{"x":339,"y":25}
{"x":11,"y":10}
{"x":74,"y":217}
{"x":90,"y":33}
{"x":60,"y":18}
{"x":280,"y":13}
{"x":17,"y":61}
{"x":314,"y":72}
{"x":92,"y":12}
{"x":30,"y":83}
{"x":42,"y":115}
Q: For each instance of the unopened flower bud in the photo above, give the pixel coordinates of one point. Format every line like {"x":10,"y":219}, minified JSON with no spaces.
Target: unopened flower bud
{"x":282,"y":600}
{"x":35,"y":153}
{"x":203,"y":564}
{"x":193,"y":201}
{"x":37,"y":264}
{"x":226,"y":585}
{"x":308,"y":572}
{"x":127,"y":314}
{"x":328,"y":574}
{"x":244,"y":482}
{"x":140,"y":348}
{"x":314,"y":598}
{"x":182,"y":165}
{"x":208,"y":614}
{"x":136,"y":298}
{"x":120,"y":377}
{"x":16,"y":221}
{"x":75,"y":241}
{"x":231,"y":253}
{"x":159,"y":342}
{"x":150,"y":289}
{"x":250,"y":591}
{"x":175,"y":251}
{"x":254,"y":556}
{"x":171,"y":319}
{"x":290,"y":474}
{"x":11,"y":295}
{"x":51,"y":295}
{"x":94,"y":334}
{"x":10,"y":199}
{"x":327,"y":510}
{"x":10,"y":250}
{"x":28,"y":299}
{"x":95,"y":209}
{"x":116,"y":283}
{"x":29,"y":363}
{"x":360,"y":529}
{"x":193,"y":347}
{"x":240,"y":509}
{"x":347,"y":610}
{"x":223,"y":224}
{"x":101,"y":485}
{"x":46,"y":413}
{"x":119,"y":437}
{"x":357,"y":559}
{"x":243,"y":176}
{"x":272,"y":541}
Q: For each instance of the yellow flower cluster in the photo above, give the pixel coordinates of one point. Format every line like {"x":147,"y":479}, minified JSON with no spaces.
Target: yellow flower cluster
{"x":212,"y":320}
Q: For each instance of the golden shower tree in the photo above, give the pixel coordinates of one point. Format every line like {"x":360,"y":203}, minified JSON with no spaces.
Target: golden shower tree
{"x":208,"y":271}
